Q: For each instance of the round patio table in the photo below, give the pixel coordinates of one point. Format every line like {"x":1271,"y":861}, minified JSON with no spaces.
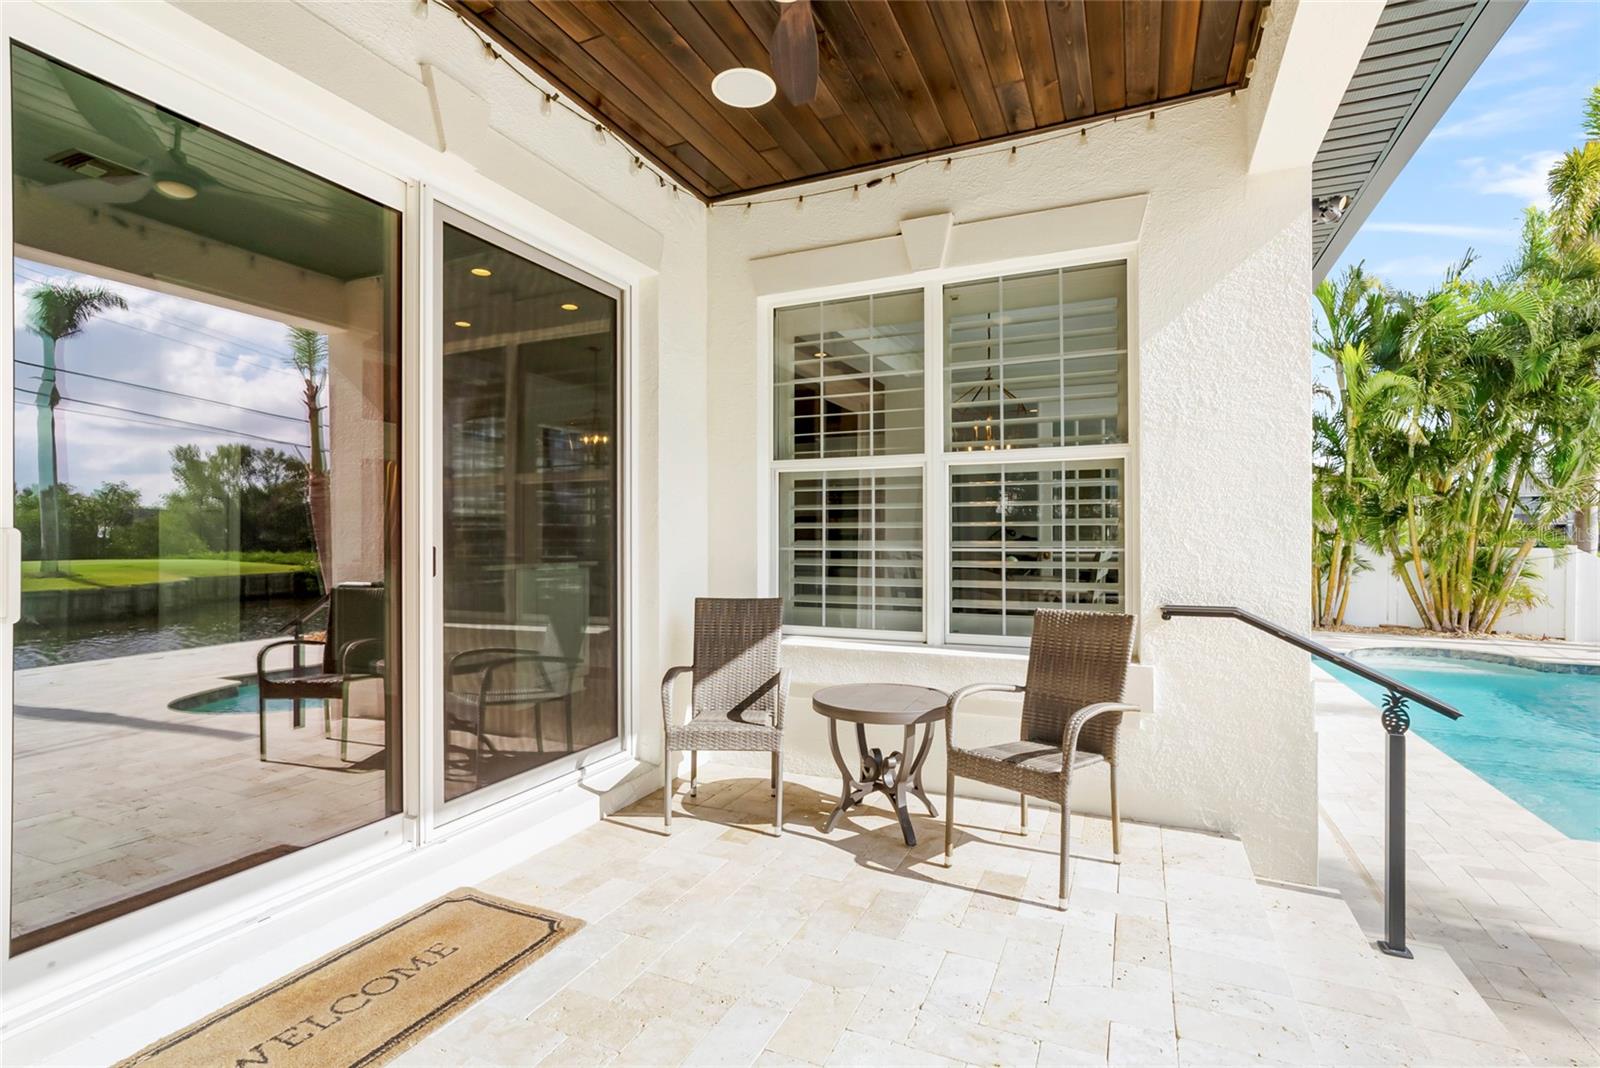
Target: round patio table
{"x":898,"y":773}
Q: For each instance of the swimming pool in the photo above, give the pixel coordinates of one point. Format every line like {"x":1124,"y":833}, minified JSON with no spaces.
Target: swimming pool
{"x":1530,"y":729}
{"x":238,"y":698}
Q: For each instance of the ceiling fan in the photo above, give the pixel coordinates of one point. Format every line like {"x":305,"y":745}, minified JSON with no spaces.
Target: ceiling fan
{"x":794,"y":52}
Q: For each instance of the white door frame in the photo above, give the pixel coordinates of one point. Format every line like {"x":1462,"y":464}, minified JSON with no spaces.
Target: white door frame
{"x":439,"y":211}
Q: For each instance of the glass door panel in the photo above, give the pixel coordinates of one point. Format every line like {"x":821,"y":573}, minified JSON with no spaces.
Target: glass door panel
{"x":206,"y":421}
{"x":529,"y":560}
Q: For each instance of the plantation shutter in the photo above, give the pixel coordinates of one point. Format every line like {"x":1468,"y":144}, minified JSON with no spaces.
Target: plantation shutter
{"x":850,"y":549}
{"x":1037,"y":360}
{"x":1031,"y":536}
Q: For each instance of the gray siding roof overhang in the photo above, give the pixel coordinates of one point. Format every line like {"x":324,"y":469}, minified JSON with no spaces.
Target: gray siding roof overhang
{"x":1421,"y":54}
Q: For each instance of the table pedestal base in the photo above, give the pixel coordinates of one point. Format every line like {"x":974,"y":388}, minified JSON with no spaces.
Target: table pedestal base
{"x":889,"y":775}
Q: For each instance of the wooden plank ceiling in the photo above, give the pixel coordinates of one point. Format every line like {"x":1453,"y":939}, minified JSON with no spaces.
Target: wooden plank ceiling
{"x":899,"y":79}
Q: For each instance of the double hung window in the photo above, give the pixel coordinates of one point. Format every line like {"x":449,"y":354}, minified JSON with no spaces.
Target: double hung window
{"x":949,"y":459}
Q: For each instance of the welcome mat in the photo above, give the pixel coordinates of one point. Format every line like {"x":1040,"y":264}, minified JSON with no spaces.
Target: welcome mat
{"x":370,"y":1001}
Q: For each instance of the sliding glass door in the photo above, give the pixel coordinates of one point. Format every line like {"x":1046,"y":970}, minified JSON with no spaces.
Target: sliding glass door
{"x":206,"y":436}
{"x":528,"y":562}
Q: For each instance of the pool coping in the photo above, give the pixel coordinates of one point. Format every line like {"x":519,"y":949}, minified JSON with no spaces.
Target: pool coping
{"x":1551,"y":655}
{"x":1434,"y":652}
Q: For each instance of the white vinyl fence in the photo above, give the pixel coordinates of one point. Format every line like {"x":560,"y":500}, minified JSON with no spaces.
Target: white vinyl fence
{"x":1568,"y":582}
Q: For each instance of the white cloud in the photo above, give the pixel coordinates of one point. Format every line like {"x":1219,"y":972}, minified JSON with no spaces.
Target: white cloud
{"x":1509,"y":114}
{"x":1411,"y":270}
{"x":162,"y":372}
{"x":1463,"y":232}
{"x":1524,"y":178}
{"x":1538,"y":40}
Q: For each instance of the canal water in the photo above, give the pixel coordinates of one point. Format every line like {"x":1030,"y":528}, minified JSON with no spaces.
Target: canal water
{"x":186,"y":627}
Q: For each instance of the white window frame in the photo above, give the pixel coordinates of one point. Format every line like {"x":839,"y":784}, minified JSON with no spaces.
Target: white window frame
{"x":935,"y":463}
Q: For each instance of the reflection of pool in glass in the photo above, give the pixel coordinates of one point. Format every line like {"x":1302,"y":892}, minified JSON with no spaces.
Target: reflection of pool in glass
{"x":240,"y":697}
{"x":1531,"y":730}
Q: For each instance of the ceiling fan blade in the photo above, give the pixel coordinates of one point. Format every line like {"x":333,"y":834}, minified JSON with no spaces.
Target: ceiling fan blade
{"x":121,"y":190}
{"x":112,"y":117}
{"x":794,"y":53}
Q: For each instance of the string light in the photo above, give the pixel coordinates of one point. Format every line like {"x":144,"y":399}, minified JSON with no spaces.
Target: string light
{"x":946,"y":162}
{"x":549,"y":99}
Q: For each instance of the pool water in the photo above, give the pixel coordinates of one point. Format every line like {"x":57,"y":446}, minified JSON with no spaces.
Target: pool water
{"x":240,"y":697}
{"x":1532,"y":733}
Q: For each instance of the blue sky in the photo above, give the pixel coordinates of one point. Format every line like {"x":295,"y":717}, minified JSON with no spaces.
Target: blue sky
{"x":1487,"y":158}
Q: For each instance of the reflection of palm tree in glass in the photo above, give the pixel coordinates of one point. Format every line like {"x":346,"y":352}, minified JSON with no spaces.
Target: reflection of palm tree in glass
{"x":308,"y":353}
{"x":55,"y":313}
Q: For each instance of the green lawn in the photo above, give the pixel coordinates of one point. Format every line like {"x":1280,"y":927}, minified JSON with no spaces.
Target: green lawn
{"x":86,"y":574}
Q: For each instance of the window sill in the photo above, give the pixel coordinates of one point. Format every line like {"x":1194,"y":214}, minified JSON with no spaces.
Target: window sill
{"x":1002,"y":654}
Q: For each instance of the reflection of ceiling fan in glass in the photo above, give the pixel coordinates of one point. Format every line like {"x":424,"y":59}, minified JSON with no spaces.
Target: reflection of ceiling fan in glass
{"x":163,"y":168}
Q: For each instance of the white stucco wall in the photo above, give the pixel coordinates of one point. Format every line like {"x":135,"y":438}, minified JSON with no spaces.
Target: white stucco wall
{"x":1222,"y":440}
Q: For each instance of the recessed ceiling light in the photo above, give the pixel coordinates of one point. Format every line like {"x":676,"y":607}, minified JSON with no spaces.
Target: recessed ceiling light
{"x":482,"y":272}
{"x":173,"y":189}
{"x":743,"y":87}
{"x":462,"y":323}
{"x":569,"y":307}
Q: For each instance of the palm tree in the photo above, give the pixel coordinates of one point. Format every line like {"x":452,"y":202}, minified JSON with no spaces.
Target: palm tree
{"x":308,"y":354}
{"x":1574,"y":184}
{"x":57,"y":311}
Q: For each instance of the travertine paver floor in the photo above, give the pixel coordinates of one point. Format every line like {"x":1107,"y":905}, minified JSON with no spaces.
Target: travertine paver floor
{"x":723,"y":944}
{"x":1512,"y":901}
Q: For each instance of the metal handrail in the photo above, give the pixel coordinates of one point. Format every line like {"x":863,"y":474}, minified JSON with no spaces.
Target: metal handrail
{"x":1396,"y":721}
{"x":1316,"y":649}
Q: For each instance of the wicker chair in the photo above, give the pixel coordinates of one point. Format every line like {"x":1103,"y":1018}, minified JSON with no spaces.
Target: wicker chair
{"x":352,"y":651}
{"x":1072,"y":704}
{"x":736,"y":704}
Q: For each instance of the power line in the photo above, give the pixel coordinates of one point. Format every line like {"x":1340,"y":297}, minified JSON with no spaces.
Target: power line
{"x":168,"y":392}
{"x":168,"y":421}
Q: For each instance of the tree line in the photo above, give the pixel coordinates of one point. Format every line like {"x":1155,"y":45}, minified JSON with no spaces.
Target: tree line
{"x":233,"y":499}
{"x":1462,"y":428}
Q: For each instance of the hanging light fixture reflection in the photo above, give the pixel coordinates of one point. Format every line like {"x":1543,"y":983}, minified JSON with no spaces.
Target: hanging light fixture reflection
{"x":977,"y":405}
{"x":597,"y":438}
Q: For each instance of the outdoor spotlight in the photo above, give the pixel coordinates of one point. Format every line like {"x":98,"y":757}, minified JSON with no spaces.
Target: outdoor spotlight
{"x":1329,"y":209}
{"x":173,"y":189}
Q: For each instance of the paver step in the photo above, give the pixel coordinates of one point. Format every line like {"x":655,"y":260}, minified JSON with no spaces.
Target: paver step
{"x":1362,"y":1006}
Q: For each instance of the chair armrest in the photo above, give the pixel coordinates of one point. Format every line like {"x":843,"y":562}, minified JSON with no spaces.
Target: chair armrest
{"x":360,"y":644}
{"x":261,"y":654}
{"x":1069,"y":738}
{"x":966,"y":692}
{"x":666,"y":692}
{"x":783,"y":698}
{"x":465,"y":660}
